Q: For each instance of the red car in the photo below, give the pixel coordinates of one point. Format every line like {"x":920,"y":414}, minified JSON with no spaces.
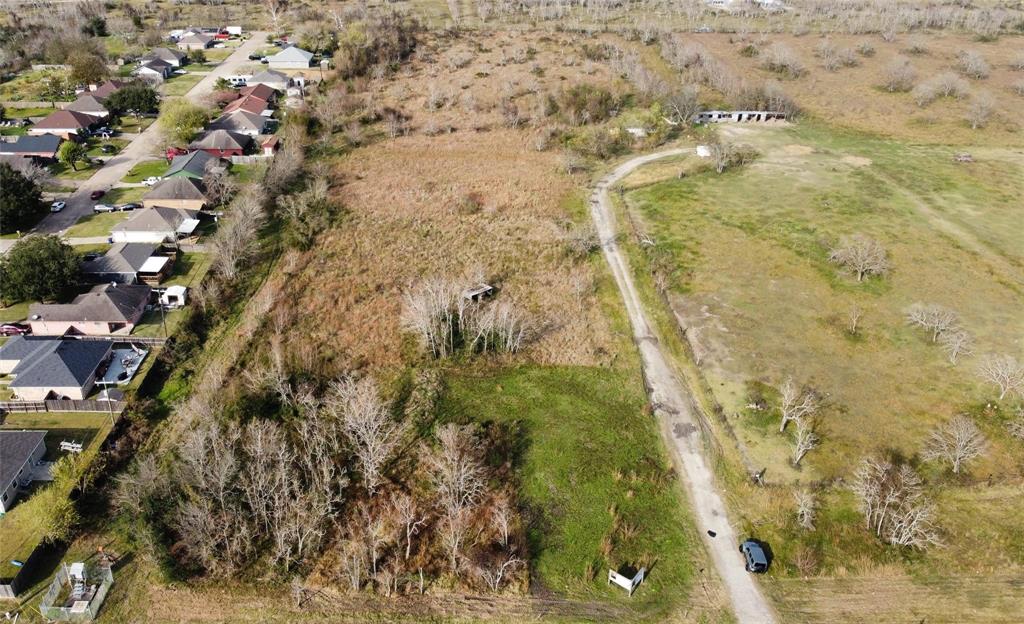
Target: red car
{"x":13,"y":330}
{"x":97,"y":194}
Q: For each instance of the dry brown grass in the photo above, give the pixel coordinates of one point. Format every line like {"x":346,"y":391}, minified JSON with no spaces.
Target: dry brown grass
{"x":853,"y":96}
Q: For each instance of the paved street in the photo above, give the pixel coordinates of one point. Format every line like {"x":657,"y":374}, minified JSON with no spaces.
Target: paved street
{"x":144,"y":146}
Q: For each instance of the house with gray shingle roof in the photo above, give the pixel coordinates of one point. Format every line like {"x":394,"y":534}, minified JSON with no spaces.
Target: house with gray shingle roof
{"x":156,"y":225}
{"x":222,"y":143}
{"x":90,"y":105}
{"x":42,"y":146}
{"x":126,"y":263}
{"x":106,"y":309}
{"x":192,"y":165}
{"x":20,"y":453}
{"x":167,"y":55}
{"x":292,"y":57}
{"x":177,"y":192}
{"x":242,"y":122}
{"x":54,"y":367}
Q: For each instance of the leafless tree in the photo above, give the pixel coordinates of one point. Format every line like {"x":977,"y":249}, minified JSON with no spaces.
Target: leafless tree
{"x":408,"y":518}
{"x":683,"y":103}
{"x":726,"y":154}
{"x":805,"y":440}
{"x":980,"y":110}
{"x":234,"y":241}
{"x":457,"y":472}
{"x":796,"y":403}
{"x":899,"y":75}
{"x":806,"y":508}
{"x":494,"y":572}
{"x":935,"y":318}
{"x":956,"y":343}
{"x":433,"y":311}
{"x":956,"y":442}
{"x":375,"y":533}
{"x":267,"y":469}
{"x":219,"y":184}
{"x":973,"y":64}
{"x":373,"y":433}
{"x":893,"y":503}
{"x":861,"y":254}
{"x":276,"y":10}
{"x":781,"y":59}
{"x":1015,"y":426}
{"x":854,"y":317}
{"x":501,"y":517}
{"x":353,"y":561}
{"x":1004,"y":372}
{"x":135,"y":487}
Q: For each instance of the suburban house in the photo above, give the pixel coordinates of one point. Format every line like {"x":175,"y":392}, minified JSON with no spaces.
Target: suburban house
{"x":292,"y":57}
{"x":156,"y":225}
{"x":41,"y":147}
{"x":129,"y":263}
{"x":242,"y":122}
{"x":64,"y":123}
{"x":90,"y":105}
{"x":262,"y":91}
{"x":20,"y":453}
{"x":192,"y":165}
{"x":154,"y":71}
{"x":273,"y":79}
{"x":177,"y":192}
{"x":269,"y":145}
{"x":222,"y":143}
{"x":108,"y":88}
{"x":174,"y":58}
{"x":104,"y":310}
{"x":249,"y":104}
{"x":195,"y":41}
{"x":45,"y":368}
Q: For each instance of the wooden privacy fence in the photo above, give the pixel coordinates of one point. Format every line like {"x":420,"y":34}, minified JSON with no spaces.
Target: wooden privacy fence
{"x":62,"y":406}
{"x":249,"y":160}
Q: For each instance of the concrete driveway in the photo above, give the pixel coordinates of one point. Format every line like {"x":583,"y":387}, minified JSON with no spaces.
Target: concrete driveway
{"x":143,"y":146}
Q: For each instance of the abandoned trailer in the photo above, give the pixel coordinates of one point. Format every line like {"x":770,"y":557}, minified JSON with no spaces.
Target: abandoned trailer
{"x":718,"y":116}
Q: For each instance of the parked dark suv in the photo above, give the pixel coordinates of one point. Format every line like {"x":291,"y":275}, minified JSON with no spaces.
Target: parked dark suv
{"x":754,"y":555}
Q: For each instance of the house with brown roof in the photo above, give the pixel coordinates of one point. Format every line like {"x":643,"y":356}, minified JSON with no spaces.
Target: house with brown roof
{"x":222,"y":143}
{"x":64,"y":123}
{"x":177,"y":192}
{"x":107,"y":89}
{"x":249,"y":104}
{"x":105,"y":310}
{"x":261,"y":90}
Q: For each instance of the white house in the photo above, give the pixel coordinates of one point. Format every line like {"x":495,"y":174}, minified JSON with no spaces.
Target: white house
{"x":20,"y":453}
{"x":292,"y":57}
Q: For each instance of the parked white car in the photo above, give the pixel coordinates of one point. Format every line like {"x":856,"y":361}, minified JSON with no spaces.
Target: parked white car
{"x":151,"y":180}
{"x":103,"y":208}
{"x":57,"y":206}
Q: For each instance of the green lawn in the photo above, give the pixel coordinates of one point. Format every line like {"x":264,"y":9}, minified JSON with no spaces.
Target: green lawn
{"x":247,"y":173}
{"x":131,"y":125}
{"x":84,"y":171}
{"x":14,"y":313}
{"x":189,"y":269}
{"x":125,"y":194}
{"x":96,"y":224}
{"x":745,"y":256}
{"x":152,"y":323}
{"x":28,"y":85}
{"x":96,"y":151}
{"x":146,"y":169}
{"x":589,"y":459}
{"x":19,"y":113}
{"x":180,"y":85}
{"x":16,"y":131}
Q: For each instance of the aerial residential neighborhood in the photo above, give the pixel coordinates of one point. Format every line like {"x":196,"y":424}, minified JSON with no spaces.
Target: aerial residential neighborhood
{"x":702,"y":311}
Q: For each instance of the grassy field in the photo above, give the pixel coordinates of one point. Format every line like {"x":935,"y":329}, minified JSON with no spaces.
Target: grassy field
{"x":180,"y":85}
{"x":96,"y":224}
{"x":145,"y":169}
{"x":125,"y":195}
{"x":745,"y":255}
{"x":14,"y":313}
{"x":84,"y":171}
{"x":29,"y":86}
{"x":591,"y":470}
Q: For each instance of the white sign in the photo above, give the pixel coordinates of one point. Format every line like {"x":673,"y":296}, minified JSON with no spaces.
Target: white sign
{"x":703,"y":151}
{"x":628,"y":584}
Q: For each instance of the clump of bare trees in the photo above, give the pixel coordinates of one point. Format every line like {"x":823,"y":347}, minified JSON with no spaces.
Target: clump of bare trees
{"x":980,"y":110}
{"x":935,"y":318}
{"x":899,"y":75}
{"x":1015,"y":426}
{"x":860,"y":254}
{"x":946,"y":84}
{"x":894,"y":504}
{"x":682,"y":104}
{"x":833,"y":57}
{"x":956,"y":442}
{"x":973,"y":64}
{"x":806,"y":508}
{"x":235,"y":240}
{"x":372,"y":431}
{"x":801,"y":407}
{"x":956,"y":343}
{"x":446,"y":318}
{"x":782,"y":60}
{"x":727,"y":155}
{"x":1004,"y":372}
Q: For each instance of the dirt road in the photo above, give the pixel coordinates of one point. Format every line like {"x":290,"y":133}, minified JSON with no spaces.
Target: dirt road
{"x":144,"y":146}
{"x":674,"y":409}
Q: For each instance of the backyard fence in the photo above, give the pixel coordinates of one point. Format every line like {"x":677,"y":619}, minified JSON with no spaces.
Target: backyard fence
{"x":249,"y":160}
{"x":115,"y":407}
{"x":142,"y":340}
{"x":76,"y":611}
